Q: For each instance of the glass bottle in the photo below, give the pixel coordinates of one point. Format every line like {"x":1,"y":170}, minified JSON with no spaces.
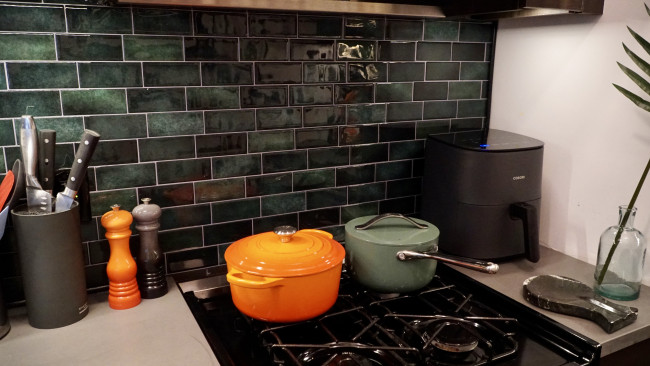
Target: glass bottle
{"x":622,"y":280}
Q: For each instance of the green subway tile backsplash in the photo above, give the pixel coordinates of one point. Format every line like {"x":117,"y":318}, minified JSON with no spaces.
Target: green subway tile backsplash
{"x":237,"y":121}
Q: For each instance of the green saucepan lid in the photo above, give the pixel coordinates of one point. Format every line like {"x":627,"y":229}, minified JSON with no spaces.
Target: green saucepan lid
{"x":391,"y":230}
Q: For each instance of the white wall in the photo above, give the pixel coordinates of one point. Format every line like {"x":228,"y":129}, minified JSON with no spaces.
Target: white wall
{"x":553,"y":81}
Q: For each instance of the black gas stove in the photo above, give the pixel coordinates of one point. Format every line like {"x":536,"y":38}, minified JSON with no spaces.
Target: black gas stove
{"x":453,"y":321}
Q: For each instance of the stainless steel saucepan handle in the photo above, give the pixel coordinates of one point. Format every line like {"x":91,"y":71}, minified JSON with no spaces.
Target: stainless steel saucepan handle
{"x":477,"y":265}
{"x":378,"y":218}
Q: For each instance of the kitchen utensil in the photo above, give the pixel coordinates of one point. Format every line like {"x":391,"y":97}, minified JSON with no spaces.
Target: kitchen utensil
{"x":19,"y":185}
{"x":285,"y":275}
{"x":568,"y":296}
{"x":83,"y":193}
{"x":37,"y":198}
{"x":5,"y":187}
{"x":380,"y":252}
{"x":85,"y":151}
{"x":46,"y":146}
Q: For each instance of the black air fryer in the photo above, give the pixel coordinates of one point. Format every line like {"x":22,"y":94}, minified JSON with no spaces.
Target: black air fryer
{"x":483,"y":191}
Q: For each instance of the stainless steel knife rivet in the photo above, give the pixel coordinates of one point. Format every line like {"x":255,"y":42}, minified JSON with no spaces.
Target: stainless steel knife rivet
{"x":73,"y":179}
{"x":79,"y":161}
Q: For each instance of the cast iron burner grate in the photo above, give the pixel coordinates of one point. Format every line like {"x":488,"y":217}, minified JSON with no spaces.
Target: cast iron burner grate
{"x":437,"y":326}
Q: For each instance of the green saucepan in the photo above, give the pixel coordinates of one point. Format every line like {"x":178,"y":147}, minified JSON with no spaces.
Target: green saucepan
{"x":393,"y":253}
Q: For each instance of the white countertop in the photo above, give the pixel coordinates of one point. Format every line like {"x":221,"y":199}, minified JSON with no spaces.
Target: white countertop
{"x":156,"y":332}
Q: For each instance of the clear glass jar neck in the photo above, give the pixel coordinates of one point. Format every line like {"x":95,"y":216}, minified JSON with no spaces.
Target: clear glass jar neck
{"x":622,"y":210}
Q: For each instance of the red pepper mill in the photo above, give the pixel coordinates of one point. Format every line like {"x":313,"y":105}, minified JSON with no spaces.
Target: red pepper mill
{"x":123,"y":290}
{"x":151,"y":270}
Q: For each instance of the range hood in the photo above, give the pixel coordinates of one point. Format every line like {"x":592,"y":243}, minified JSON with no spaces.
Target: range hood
{"x":453,"y":9}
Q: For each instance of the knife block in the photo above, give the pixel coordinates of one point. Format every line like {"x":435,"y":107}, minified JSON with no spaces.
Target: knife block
{"x":52,"y":266}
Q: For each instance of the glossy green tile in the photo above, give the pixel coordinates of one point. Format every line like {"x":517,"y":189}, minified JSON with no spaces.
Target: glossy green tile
{"x":94,"y":101}
{"x":226,"y":73}
{"x":229,"y":121}
{"x":322,"y":158}
{"x":327,"y":198}
{"x":440,"y":109}
{"x":468,"y":52}
{"x":310,"y":94}
{"x":125,"y":176}
{"x":162,"y":21}
{"x":404,"y":187}
{"x":314,"y":179}
{"x":396,"y":51}
{"x":156,"y":100}
{"x":365,"y":154}
{"x":99,"y":20}
{"x":263,"y":96}
{"x":405,"y":205}
{"x":169,"y":195}
{"x":465,"y":90}
{"x":368,"y":113}
{"x":435,"y":30}
{"x":406,"y":71}
{"x":270,"y":141}
{"x":352,"y":135}
{"x":426,"y":128}
{"x":226,"y":233}
{"x":353,"y":93}
{"x":284,"y":161}
{"x":407,"y":150}
{"x":352,"y":50}
{"x":219,"y":190}
{"x":278,"y":72}
{"x":41,"y":103}
{"x":266,"y":224}
{"x":180,"y":239}
{"x":42,"y":75}
{"x":32,"y":18}
{"x":404,"y":29}
{"x":430,"y":90}
{"x":323,"y":72}
{"x":7,"y":134}
{"x":466,"y":124}
{"x":269,"y":25}
{"x":475,"y":71}
{"x":68,"y":129}
{"x":476,"y":32}
{"x":171,"y":73}
{"x":131,"y":126}
{"x":211,"y":49}
{"x":319,"y":218}
{"x":219,"y":24}
{"x":323,"y":116}
{"x":89,"y":47}
{"x":311,"y":50}
{"x":283,"y":203}
{"x":101,"y":201}
{"x":3,"y":80}
{"x":166,"y":148}
{"x":394,"y":92}
{"x":319,"y":26}
{"x":236,"y":165}
{"x":472,"y":108}
{"x":152,"y":48}
{"x":397,"y":131}
{"x":355,"y":175}
{"x":361,"y":27}
{"x":212,"y":98}
{"x":222,"y":144}
{"x":394,"y":170}
{"x":268,"y":184}
{"x":316,"y":137}
{"x":434,"y":51}
{"x":375,"y":71}
{"x":236,"y":210}
{"x":184,"y":216}
{"x":110,"y":74}
{"x":171,"y":124}
{"x":256,"y":49}
{"x":366,"y":192}
{"x":408,"y":111}
{"x":183,"y":170}
{"x":115,"y":152}
{"x":443,"y":70}
{"x":27,"y":47}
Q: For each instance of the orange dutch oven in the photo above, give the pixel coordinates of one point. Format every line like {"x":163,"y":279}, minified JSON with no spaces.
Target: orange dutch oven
{"x":285,"y":275}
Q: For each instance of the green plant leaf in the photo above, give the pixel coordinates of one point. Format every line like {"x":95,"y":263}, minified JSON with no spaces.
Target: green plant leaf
{"x":641,"y":63}
{"x":645,"y":44}
{"x":638,"y":79}
{"x":640,"y":102}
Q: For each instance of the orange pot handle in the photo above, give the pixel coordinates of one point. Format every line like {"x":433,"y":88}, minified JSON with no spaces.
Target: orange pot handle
{"x":318,"y":232}
{"x":237,"y":277}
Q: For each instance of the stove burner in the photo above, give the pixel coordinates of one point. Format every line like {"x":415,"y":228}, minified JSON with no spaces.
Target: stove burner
{"x":348,"y":354}
{"x":453,"y":337}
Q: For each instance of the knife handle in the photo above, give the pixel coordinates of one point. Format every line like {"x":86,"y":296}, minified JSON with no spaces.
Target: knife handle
{"x":46,"y":145}
{"x":85,"y":151}
{"x":29,"y":150}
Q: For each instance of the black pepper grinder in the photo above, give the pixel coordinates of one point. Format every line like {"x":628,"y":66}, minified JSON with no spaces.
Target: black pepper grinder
{"x":151,"y":272}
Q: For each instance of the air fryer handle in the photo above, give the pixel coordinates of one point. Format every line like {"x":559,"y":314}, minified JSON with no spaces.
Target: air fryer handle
{"x":528,"y":214}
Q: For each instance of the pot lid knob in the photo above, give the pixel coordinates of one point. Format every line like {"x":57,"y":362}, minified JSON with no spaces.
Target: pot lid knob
{"x":285,"y":232}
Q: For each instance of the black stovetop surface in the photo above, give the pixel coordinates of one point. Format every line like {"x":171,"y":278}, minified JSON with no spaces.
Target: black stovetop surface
{"x":529,"y":338}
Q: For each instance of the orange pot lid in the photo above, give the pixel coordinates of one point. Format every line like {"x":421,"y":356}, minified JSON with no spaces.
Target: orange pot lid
{"x":285,"y":252}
